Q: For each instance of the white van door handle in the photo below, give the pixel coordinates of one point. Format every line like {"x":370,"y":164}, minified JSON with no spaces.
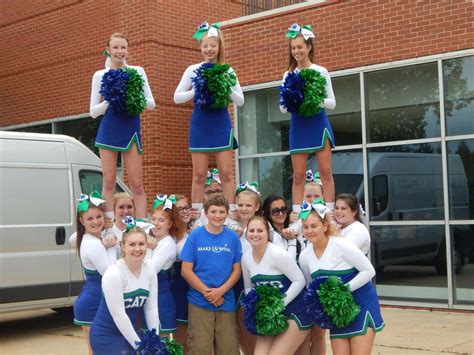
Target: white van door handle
{"x":60,"y":235}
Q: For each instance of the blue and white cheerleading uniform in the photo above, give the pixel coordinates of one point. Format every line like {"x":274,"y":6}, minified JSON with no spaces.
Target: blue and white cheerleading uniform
{"x":309,"y":134}
{"x":210,"y":130}
{"x":95,"y":259}
{"x":126,"y":296}
{"x":179,"y":287}
{"x":278,"y":269}
{"x":117,"y":131}
{"x":343,"y":259}
{"x":162,"y":259}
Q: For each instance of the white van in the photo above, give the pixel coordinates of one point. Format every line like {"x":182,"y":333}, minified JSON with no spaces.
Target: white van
{"x":40,"y":177}
{"x":408,"y":186}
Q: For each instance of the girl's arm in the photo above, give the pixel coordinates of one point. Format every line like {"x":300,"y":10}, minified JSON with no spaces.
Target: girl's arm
{"x":246,"y":276}
{"x":237,"y":96}
{"x":150,"y":101}
{"x":288,"y":267}
{"x":185,"y":92}
{"x":113,"y":293}
{"x":330,"y":101}
{"x":97,"y":107}
{"x":305,"y":267}
{"x":352,"y":255}
{"x":162,"y":254}
{"x":283,"y":109}
{"x":99,"y":256}
{"x":151,"y":305}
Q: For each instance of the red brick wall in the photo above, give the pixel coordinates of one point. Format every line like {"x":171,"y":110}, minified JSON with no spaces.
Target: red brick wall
{"x":51,"y":50}
{"x":351,"y":34}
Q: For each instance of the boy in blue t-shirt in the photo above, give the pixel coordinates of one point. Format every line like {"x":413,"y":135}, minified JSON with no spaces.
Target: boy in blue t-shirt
{"x":211,"y":265}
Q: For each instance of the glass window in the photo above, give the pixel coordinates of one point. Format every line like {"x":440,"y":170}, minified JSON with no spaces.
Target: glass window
{"x":273,"y":174}
{"x":84,"y":130}
{"x":458,"y":77}
{"x":43,"y":128}
{"x":461,"y":178}
{"x":262,"y":126}
{"x":414,"y":182}
{"x":345,"y":119}
{"x":409,"y":261}
{"x":462,"y":258}
{"x":92,"y":181}
{"x":264,"y":129}
{"x":403,"y":103}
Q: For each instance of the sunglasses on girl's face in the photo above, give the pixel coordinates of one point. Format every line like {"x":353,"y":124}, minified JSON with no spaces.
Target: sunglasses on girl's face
{"x":277,"y":211}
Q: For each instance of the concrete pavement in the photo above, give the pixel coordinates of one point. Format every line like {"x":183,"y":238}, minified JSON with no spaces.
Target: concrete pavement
{"x":407,"y":331}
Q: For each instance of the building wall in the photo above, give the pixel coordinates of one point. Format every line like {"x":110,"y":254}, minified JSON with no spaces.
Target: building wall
{"x":351,"y":34}
{"x":51,"y":50}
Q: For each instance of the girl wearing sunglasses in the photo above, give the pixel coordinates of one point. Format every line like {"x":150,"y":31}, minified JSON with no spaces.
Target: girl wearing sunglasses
{"x":275,"y":210}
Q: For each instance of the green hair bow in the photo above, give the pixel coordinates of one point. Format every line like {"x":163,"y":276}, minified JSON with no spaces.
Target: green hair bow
{"x":318,"y":205}
{"x":310,"y":177}
{"x":253,"y":186}
{"x":85,"y":200}
{"x":294,"y":30}
{"x":204,"y":28}
{"x":162,"y":199}
{"x":213,"y":176}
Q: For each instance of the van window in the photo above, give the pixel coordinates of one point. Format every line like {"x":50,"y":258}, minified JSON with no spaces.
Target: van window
{"x":379,"y":194}
{"x":92,"y":181}
{"x":348,"y":183}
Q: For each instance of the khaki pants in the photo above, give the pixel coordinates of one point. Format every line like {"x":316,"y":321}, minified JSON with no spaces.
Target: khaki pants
{"x":211,"y":332}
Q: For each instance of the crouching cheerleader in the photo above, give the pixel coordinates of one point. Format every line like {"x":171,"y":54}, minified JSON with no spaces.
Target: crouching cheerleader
{"x":339,"y":296}
{"x":274,"y":308}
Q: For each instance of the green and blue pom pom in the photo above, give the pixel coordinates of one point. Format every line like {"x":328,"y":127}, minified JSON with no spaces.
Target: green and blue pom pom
{"x":123,"y":89}
{"x":213,"y":85}
{"x":263,"y":311}
{"x":152,"y":344}
{"x":303,"y":92}
{"x":330,"y":303}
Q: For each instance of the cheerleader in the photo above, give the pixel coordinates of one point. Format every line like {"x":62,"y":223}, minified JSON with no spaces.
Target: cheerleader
{"x":178,"y":285}
{"x":335,"y":256}
{"x":95,"y":259}
{"x":275,"y":211}
{"x":267,"y":264}
{"x":119,"y":129}
{"x":130,"y":288}
{"x":249,"y":204}
{"x":348,"y":216}
{"x":167,"y":223}
{"x":310,"y":131}
{"x":210,"y":128}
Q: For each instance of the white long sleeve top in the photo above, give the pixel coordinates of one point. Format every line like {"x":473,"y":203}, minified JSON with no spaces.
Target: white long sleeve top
{"x":119,"y":285}
{"x":275,"y":262}
{"x":340,"y":254}
{"x":358,"y":234}
{"x":164,"y":254}
{"x":94,"y":256}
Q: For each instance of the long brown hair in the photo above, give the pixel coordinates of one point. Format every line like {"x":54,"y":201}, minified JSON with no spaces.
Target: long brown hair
{"x":178,"y":228}
{"x":80,"y":229}
{"x":117,"y":35}
{"x":292,"y":64}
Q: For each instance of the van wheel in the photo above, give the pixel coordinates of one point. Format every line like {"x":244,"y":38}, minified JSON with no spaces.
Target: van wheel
{"x":458,"y":262}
